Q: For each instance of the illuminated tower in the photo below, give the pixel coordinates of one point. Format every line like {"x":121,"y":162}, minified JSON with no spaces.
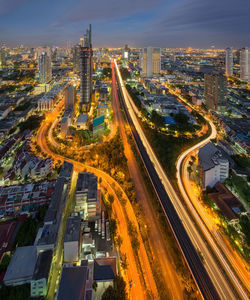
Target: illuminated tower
{"x":229,"y":61}
{"x":244,"y":64}
{"x":215,"y":91}
{"x":150,"y":61}
{"x":45,"y":69}
{"x":86,"y":67}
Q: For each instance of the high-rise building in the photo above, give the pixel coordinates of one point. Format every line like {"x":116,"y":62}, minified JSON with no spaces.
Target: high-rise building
{"x":150,"y":61}
{"x":70,"y":95}
{"x":229,"y":61}
{"x":126,"y":52}
{"x":45,"y":69}
{"x":81,"y":42}
{"x":244,"y":64}
{"x":2,"y":58}
{"x":86,"y":67}
{"x":215,"y":91}
{"x":45,"y":49}
{"x":76,"y":59}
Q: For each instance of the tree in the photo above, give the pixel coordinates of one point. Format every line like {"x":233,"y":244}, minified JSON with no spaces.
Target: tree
{"x":5,"y":262}
{"x":157,"y":119}
{"x":113,"y":227}
{"x":117,"y":291}
{"x":245,"y":227}
{"x":181,"y":118}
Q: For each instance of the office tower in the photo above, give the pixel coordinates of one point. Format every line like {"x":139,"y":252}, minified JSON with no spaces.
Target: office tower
{"x":86,"y":67}
{"x":237,"y":57}
{"x":126,"y":52}
{"x":76,"y":59}
{"x":229,"y":61}
{"x":70,"y":96}
{"x":215,"y":91}
{"x":81,"y":42}
{"x":244,"y":64}
{"x":45,"y":69}
{"x":41,"y":50}
{"x":2,"y":58}
{"x":150,"y":61}
{"x":54,"y":54}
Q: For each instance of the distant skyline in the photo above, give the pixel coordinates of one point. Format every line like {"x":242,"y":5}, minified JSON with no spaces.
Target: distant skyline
{"x":138,"y":23}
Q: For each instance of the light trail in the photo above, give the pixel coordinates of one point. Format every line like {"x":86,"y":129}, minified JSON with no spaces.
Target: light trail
{"x":215,"y":273}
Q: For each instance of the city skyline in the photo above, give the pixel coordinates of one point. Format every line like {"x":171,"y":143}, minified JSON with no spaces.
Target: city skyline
{"x":138,"y":23}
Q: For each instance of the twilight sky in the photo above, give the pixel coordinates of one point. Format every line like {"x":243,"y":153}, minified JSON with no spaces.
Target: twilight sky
{"x":163,"y":23}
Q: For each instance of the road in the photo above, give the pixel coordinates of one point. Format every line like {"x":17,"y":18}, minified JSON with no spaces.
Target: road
{"x":183,"y":227}
{"x":137,"y":291}
{"x":172,"y":282}
{"x":208,"y":227}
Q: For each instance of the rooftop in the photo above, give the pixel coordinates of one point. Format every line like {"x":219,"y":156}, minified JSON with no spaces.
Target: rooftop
{"x":104,"y":268}
{"x":43,"y":263}
{"x":87,"y":182}
{"x":209,"y":156}
{"x":73,"y":229}
{"x":73,"y":283}
{"x":22,"y":264}
{"x":82,"y":118}
{"x":98,"y":121}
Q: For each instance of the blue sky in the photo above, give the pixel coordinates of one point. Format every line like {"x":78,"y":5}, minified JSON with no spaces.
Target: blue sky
{"x":163,"y":23}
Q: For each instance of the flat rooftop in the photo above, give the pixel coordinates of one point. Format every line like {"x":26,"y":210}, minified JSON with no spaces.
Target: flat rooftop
{"x":73,"y":283}
{"x":43,"y":265}
{"x":22,"y":265}
{"x":87,"y":182}
{"x":73,"y":229}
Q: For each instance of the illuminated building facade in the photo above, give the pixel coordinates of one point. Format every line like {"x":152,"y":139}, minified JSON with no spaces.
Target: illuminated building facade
{"x":229,"y":61}
{"x":45,"y":69}
{"x":150,"y":61}
{"x":215,"y":91}
{"x":244,"y":64}
{"x":86,"y":67}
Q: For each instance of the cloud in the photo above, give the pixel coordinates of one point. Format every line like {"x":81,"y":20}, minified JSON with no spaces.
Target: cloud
{"x":210,"y":15}
{"x":96,"y":10}
{"x":6,"y":6}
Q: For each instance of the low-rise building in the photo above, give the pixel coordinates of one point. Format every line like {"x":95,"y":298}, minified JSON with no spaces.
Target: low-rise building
{"x":74,"y":284}
{"x":23,"y":197}
{"x":21,"y":266}
{"x":213,"y":166}
{"x":98,"y":125}
{"x":81,"y":122}
{"x":72,"y":239}
{"x":86,"y":195}
{"x":227,"y":202}
{"x":39,"y":282}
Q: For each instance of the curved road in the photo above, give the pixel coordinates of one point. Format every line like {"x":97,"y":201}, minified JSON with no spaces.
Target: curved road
{"x":136,"y":291}
{"x":204,"y":229}
{"x":175,"y":213}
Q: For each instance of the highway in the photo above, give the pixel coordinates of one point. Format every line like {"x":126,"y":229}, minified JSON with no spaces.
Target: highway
{"x":200,"y":216}
{"x":212,"y":285}
{"x":173,"y":286}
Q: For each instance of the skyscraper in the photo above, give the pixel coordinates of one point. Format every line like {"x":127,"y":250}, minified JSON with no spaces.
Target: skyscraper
{"x":76,"y":59}
{"x":86,"y":67}
{"x":215,"y":91}
{"x":229,"y":61}
{"x":45,"y":69}
{"x":70,"y":95}
{"x":126,"y":52}
{"x":150,"y":61}
{"x":244,"y":64}
{"x":2,"y":58}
